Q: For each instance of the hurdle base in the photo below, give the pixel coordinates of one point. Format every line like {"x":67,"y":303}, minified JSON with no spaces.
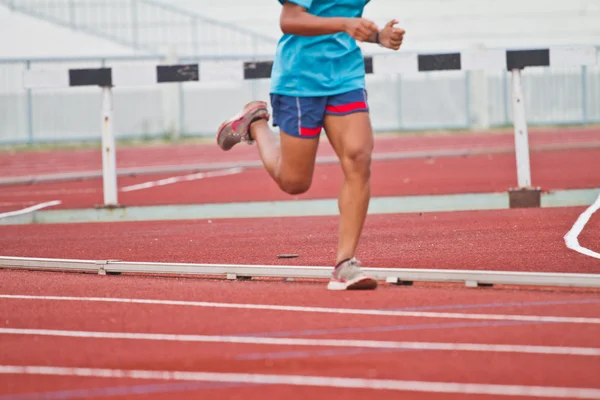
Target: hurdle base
{"x":233,"y":271}
{"x":476,"y":284}
{"x":102,"y":270}
{"x":398,"y":282}
{"x":236,"y":277}
{"x":109,"y":206}
{"x":526,"y":197}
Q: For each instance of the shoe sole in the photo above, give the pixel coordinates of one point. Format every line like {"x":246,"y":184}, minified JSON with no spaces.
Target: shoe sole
{"x":238,"y":117}
{"x":364,"y":283}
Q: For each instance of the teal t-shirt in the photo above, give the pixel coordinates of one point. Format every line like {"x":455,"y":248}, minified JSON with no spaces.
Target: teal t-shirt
{"x":312,"y":66}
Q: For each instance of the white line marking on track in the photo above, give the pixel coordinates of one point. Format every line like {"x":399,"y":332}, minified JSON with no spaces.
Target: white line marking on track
{"x":53,"y":192}
{"x":16,"y":203}
{"x":571,"y":238}
{"x":352,"y":311}
{"x":30,"y":209}
{"x":311,"y":381}
{"x":184,"y":178}
{"x":374,"y":344}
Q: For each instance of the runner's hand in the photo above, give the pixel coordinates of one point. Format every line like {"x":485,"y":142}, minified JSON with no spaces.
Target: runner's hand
{"x":360,"y":29}
{"x":390,"y":36}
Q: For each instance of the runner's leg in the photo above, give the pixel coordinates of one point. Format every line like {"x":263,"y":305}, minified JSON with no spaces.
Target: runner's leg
{"x":349,"y":130}
{"x":289,"y":158}
{"x":348,"y":127}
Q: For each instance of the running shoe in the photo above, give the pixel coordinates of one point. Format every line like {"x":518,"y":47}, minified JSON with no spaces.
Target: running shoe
{"x":348,"y":276}
{"x":237,"y":129}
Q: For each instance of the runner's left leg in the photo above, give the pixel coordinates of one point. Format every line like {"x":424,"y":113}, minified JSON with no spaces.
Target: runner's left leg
{"x":348,"y":127}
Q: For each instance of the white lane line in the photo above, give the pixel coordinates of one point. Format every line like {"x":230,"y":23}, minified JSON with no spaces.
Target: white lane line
{"x":52,"y":192}
{"x":183,"y":178}
{"x":374,"y":344}
{"x":16,"y":203}
{"x":571,"y":238}
{"x":352,"y":311}
{"x":30,"y":209}
{"x":311,"y":381}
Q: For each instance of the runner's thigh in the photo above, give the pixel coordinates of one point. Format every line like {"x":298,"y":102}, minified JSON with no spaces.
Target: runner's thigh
{"x":348,"y":126}
{"x":300,"y":120}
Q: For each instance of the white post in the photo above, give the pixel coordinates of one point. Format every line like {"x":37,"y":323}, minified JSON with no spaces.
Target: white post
{"x":109,"y":158}
{"x":478,"y":95}
{"x":521,"y":135}
{"x":171,"y":96}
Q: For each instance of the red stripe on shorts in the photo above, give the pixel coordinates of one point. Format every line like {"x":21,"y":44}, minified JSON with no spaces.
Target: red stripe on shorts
{"x":310,"y":131}
{"x":359,"y":105}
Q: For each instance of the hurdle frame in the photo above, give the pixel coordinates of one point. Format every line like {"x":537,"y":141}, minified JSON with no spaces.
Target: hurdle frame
{"x":521,"y":132}
{"x":513,"y":61}
{"x":396,"y":276}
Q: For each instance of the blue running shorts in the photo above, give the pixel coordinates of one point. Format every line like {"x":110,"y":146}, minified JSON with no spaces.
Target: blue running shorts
{"x":303,"y":116}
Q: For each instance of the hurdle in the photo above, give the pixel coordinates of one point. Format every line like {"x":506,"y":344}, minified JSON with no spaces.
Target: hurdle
{"x":394,"y":276}
{"x":525,"y":195}
{"x":514,"y":61}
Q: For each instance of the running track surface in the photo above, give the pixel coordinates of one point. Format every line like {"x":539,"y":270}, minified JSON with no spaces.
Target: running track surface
{"x":492,"y":172}
{"x":47,"y":162}
{"x":529,"y":240}
{"x":462,"y":367}
{"x":517,"y":239}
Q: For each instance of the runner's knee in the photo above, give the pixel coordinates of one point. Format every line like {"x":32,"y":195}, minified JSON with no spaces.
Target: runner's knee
{"x":357,"y":163}
{"x":294,"y":185}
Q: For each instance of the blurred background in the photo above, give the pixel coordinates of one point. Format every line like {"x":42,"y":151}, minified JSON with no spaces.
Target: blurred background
{"x":60,"y":34}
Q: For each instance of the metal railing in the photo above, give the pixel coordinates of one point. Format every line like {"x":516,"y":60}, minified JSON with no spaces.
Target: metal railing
{"x":147,"y":25}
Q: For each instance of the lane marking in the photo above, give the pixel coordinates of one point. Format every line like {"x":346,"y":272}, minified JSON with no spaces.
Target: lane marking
{"x":52,"y":192}
{"x":145,"y":185}
{"x":387,"y":328}
{"x":373,"y":344}
{"x":571,"y":238}
{"x":16,"y":203}
{"x":279,"y":355}
{"x":311,"y":381}
{"x":183,"y":178}
{"x":351,"y":311}
{"x":30,"y":209}
{"x":112,"y":391}
{"x":504,"y":305}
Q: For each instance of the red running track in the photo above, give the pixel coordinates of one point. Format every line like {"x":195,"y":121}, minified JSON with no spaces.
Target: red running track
{"x":17,"y":164}
{"x":529,"y":240}
{"x":428,"y":366}
{"x":518,"y":239}
{"x":551,"y":170}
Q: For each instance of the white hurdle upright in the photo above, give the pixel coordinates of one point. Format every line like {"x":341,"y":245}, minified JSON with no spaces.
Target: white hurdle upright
{"x":521,"y":134}
{"x":109,"y":150}
{"x":525,"y":195}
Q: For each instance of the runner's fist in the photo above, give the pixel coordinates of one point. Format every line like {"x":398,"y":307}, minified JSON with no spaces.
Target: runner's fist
{"x":390,"y":36}
{"x":360,"y":29}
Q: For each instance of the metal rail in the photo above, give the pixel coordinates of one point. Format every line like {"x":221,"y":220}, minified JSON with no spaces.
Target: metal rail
{"x":470,"y":278}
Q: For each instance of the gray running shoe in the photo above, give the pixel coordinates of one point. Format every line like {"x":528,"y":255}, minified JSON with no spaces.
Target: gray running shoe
{"x":237,"y":129}
{"x":348,"y":276}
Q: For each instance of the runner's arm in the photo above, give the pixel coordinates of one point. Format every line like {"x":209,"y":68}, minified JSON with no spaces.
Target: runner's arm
{"x":295,"y":20}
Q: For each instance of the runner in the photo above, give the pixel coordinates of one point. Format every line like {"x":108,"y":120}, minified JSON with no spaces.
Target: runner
{"x":318,"y":82}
